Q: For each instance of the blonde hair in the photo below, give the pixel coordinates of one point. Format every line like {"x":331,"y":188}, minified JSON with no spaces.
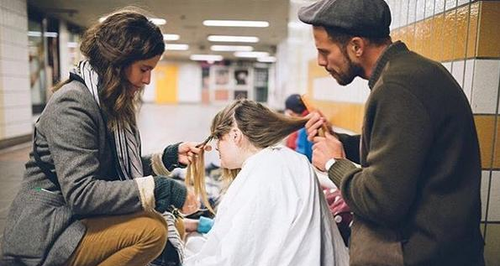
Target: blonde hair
{"x":259,"y":124}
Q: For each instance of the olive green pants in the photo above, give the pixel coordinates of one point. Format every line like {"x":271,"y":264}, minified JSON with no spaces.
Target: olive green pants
{"x":133,"y":239}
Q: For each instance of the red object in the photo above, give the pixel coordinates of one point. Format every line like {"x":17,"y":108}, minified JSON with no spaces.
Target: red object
{"x":291,"y":141}
{"x":340,"y":211}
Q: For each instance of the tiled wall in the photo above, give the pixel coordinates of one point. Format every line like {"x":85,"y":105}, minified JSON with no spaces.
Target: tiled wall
{"x":463,"y":35}
{"x":15,"y":97}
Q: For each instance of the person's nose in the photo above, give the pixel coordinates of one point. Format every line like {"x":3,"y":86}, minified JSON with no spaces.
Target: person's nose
{"x":322,"y":60}
{"x":146,"y":79}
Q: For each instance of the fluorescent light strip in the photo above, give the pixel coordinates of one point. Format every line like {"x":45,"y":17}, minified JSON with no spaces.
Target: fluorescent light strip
{"x":268,"y":59}
{"x":156,"y":21}
{"x":251,"y":54}
{"x":236,"y":23}
{"x":226,"y":38}
{"x":72,"y":45}
{"x":171,"y":37}
{"x":206,"y":57}
{"x":48,"y":34}
{"x":231,"y":48}
{"x":176,"y":47}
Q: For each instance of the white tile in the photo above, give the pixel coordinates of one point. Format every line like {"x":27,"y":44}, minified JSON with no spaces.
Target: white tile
{"x":485,"y":181}
{"x":420,"y":9}
{"x":450,"y":4}
{"x":485,"y":86}
{"x":457,"y":71}
{"x":16,"y":130}
{"x":429,"y":8}
{"x":403,"y":21}
{"x":14,"y":52}
{"x":11,"y":67}
{"x":439,"y":7}
{"x":447,"y":65}
{"x":15,"y":84}
{"x":14,"y":115}
{"x":411,"y":11}
{"x":494,"y":208}
{"x":10,"y":35}
{"x":461,"y":2}
{"x":469,"y":70}
{"x":15,"y":99}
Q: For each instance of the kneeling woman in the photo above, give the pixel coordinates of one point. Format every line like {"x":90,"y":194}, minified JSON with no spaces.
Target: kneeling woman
{"x":274,"y":212}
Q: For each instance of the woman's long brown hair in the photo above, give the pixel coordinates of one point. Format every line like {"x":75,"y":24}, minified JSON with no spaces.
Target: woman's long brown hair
{"x":111,"y":46}
{"x":262,"y":126}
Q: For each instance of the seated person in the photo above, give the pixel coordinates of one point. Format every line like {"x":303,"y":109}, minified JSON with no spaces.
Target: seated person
{"x":297,"y":140}
{"x":273,"y":212}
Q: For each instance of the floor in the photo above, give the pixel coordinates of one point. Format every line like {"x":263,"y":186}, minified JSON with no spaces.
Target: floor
{"x":160,"y":125}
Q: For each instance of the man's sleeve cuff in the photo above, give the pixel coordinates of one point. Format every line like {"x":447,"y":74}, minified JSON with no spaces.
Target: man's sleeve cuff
{"x":338,"y":170}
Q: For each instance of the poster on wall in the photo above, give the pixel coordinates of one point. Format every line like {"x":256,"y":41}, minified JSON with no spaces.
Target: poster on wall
{"x":221,"y":95}
{"x":241,"y":77}
{"x":221,"y":77}
{"x":240,"y":94}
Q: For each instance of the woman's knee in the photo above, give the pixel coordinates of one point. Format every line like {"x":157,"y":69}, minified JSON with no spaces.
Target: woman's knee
{"x":154,"y":231}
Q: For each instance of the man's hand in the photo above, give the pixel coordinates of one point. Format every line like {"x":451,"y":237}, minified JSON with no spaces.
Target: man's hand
{"x":326,"y":148}
{"x":315,"y":122}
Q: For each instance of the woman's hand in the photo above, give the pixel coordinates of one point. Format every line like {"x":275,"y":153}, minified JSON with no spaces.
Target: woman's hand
{"x":187,"y":151}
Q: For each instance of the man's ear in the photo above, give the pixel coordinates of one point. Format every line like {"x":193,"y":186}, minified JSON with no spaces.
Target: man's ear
{"x":357,"y":46}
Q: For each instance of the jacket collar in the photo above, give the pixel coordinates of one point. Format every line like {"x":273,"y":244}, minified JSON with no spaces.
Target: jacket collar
{"x":390,"y":52}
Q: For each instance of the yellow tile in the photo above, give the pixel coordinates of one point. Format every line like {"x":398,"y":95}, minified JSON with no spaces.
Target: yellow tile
{"x":410,"y":37}
{"x":492,"y":247}
{"x":418,"y":41}
{"x":402,"y":34}
{"x":462,"y":17}
{"x":485,"y":126}
{"x":437,"y":38}
{"x":472,"y":37}
{"x":314,"y":71}
{"x":426,"y":37}
{"x":166,"y":83}
{"x":344,"y":115}
{"x":396,"y":35}
{"x":489,"y":39}
{"x":449,"y":35}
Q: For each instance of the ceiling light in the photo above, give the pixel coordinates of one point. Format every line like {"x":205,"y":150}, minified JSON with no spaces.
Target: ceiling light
{"x":225,"y":38}
{"x":251,"y":54}
{"x":206,"y":57}
{"x":158,"y":21}
{"x":47,"y":34}
{"x":176,"y":47}
{"x":267,"y":59}
{"x":72,"y":45}
{"x":171,"y":37}
{"x":236,"y":23}
{"x":231,"y":48}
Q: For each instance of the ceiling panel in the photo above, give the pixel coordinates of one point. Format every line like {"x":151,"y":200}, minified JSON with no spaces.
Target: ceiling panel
{"x":185,"y":17}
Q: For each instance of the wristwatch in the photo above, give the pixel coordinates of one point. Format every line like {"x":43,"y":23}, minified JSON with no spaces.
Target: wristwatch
{"x":329,"y":164}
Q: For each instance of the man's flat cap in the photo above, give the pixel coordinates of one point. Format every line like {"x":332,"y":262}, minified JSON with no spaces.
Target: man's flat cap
{"x":364,"y":18}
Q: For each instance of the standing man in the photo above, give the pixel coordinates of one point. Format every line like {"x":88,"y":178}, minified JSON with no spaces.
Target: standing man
{"x":416,"y":197}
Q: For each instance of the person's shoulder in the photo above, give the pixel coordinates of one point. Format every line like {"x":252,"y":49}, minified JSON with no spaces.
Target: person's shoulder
{"x":73,"y":92}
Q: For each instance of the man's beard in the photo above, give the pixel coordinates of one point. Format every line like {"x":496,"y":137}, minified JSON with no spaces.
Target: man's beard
{"x":353,"y":70}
